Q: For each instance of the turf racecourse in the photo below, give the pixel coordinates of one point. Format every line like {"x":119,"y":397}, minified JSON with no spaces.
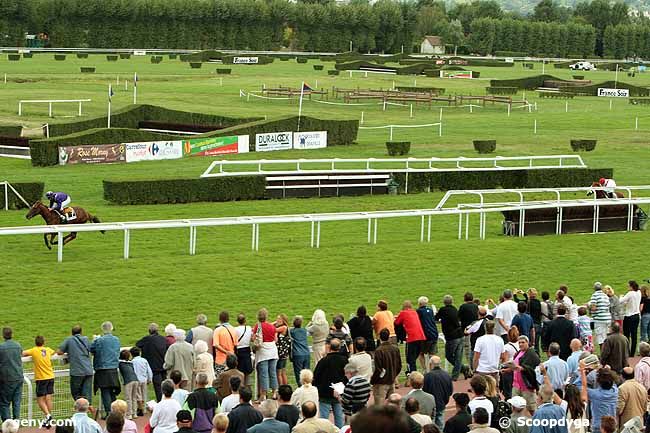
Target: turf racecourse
{"x":162,"y":283}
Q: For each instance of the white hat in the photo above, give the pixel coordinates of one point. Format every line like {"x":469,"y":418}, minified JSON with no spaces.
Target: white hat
{"x":517,"y":402}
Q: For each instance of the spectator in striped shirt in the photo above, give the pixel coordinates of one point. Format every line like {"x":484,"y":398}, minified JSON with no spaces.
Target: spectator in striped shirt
{"x":599,"y":307}
{"x":356,"y":393}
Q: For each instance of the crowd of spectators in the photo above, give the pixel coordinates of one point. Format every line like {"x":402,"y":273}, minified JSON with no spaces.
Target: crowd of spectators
{"x":202,"y":378}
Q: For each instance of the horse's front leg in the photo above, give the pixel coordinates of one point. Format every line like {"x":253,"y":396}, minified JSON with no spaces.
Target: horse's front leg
{"x":47,"y":244}
{"x":52,"y":237}
{"x":72,"y":236}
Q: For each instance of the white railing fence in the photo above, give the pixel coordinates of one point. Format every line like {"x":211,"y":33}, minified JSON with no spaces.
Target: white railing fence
{"x":9,"y":188}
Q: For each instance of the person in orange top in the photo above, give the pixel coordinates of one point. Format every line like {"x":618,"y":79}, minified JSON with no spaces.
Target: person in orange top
{"x":384,"y":318}
{"x":224,"y":340}
{"x":43,"y":375}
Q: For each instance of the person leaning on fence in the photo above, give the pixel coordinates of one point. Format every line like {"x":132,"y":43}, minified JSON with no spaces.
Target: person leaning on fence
{"x":77,"y":349}
{"x":106,"y":351}
{"x":11,"y":376}
{"x":43,"y":375}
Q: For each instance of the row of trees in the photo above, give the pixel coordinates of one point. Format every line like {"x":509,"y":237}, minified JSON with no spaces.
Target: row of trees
{"x":390,"y":26}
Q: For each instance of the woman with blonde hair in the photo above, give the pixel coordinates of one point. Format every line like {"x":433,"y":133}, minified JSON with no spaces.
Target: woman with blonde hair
{"x":318,"y":328}
{"x":284,"y":347}
{"x":120,"y":406}
{"x":204,"y":362}
{"x":614,"y":306}
{"x":220,"y":423}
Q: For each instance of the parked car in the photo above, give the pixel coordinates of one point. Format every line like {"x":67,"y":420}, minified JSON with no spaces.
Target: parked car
{"x":583,"y":66}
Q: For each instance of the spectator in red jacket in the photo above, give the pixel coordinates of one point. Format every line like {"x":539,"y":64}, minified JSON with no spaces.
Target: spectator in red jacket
{"x":410,"y":320}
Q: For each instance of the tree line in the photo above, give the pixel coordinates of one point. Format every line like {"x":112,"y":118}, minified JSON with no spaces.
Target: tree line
{"x":389,"y":26}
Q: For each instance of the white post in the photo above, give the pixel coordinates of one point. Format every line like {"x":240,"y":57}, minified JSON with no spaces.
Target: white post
{"x":508,"y":110}
{"x":361,"y":118}
{"x":221,"y":81}
{"x":616,"y":77}
{"x":5,"y":78}
{"x":636,"y":124}
{"x":610,"y":105}
{"x":108,"y":125}
{"x":535,"y":106}
{"x":384,"y":105}
{"x":411,"y":113}
{"x":316,"y":84}
{"x":47,"y":130}
{"x":79,"y":108}
{"x":50,"y":105}
{"x":302,"y":92}
{"x":393,"y":84}
{"x":350,"y":46}
{"x":566,"y":107}
{"x":470,"y":108}
{"x":126,"y":85}
{"x":535,"y":127}
{"x":6,"y":196}
{"x":59,"y":253}
{"x":20,"y":108}
{"x":366,"y":75}
{"x":117,"y":81}
{"x":415,"y":82}
{"x":391,"y":133}
{"x":543,"y":66}
{"x":440,"y":130}
{"x":350,"y":73}
{"x":440,"y":118}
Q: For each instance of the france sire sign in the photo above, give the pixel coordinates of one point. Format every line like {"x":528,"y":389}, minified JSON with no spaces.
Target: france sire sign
{"x":310,"y":140}
{"x":614,"y":93}
{"x":273,"y":141}
{"x":245,"y":60}
{"x":100,"y":154}
{"x":154,"y":150}
{"x":216,"y":145}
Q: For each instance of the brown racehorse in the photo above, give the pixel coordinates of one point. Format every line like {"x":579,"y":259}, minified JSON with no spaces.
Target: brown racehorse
{"x":600,"y":193}
{"x":52,"y":218}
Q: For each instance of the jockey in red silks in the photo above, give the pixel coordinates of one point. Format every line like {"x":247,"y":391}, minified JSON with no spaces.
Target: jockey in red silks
{"x":609,"y":187}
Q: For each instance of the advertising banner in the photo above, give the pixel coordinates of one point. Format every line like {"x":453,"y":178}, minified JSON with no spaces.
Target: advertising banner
{"x":153,"y":150}
{"x":215,"y":146}
{"x":310,"y":140}
{"x":245,"y":60}
{"x":100,"y":154}
{"x":614,"y":93}
{"x":273,"y":141}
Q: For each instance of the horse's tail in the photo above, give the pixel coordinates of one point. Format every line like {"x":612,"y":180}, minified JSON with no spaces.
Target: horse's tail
{"x":96,"y":220}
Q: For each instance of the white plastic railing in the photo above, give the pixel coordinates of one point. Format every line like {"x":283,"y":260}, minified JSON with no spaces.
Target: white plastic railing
{"x":314,"y":219}
{"x":49,"y":102}
{"x":7,"y":187}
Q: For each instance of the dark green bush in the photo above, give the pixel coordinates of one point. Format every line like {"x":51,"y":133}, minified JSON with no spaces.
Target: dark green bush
{"x":501,"y":90}
{"x":485,"y":146}
{"x":13,"y":57}
{"x":87,"y":69}
{"x":415,"y":69}
{"x":318,"y":67}
{"x":583,"y":145}
{"x":327,"y":58}
{"x":59,"y":57}
{"x":156,"y":59}
{"x":546,"y":178}
{"x":125,"y":55}
{"x":14,"y":141}
{"x":592,"y":89}
{"x":529,"y":66}
{"x":435,"y":73}
{"x":524,"y":83}
{"x":453,"y":68}
{"x":285,"y":59}
{"x":196,"y":65}
{"x":395,"y":148}
{"x":28,"y":55}
{"x":82,"y":55}
{"x":166,"y":191}
{"x":202,"y":56}
{"x":490,"y":63}
{"x":224,"y":71}
{"x":31,"y":192}
{"x":435,"y":90}
{"x":185,"y":58}
{"x":172,"y":56}
{"x":333,"y":72}
{"x":112,"y":57}
{"x":10,"y":130}
{"x":301,"y":60}
{"x":578,"y":77}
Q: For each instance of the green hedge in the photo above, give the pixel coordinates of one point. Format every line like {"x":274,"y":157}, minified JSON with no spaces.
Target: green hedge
{"x":125,"y":55}
{"x":436,"y":90}
{"x":13,"y":57}
{"x":543,"y":178}
{"x":339,"y":132}
{"x":395,"y":148}
{"x":319,"y":67}
{"x":112,"y":57}
{"x":59,"y":57}
{"x":196,"y":65}
{"x":10,"y":130}
{"x":156,"y":59}
{"x":583,"y":145}
{"x":30,"y":191}
{"x":485,"y":146}
{"x":82,"y":55}
{"x":202,"y":56}
{"x":45,"y":152}
{"x":224,"y":71}
{"x":593,"y":89}
{"x":501,"y":90}
{"x":490,"y":63}
{"x":333,"y":72}
{"x":166,"y":191}
{"x":301,"y":60}
{"x":87,"y":69}
{"x":526,"y":82}
{"x":130,"y":116}
{"x":28,"y":55}
{"x":510,"y":54}
{"x":433,"y":73}
{"x":172,"y":56}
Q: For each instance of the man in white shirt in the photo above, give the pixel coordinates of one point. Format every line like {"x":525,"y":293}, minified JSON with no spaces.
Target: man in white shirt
{"x":504,"y":315}
{"x":631,"y":303}
{"x":479,"y":386}
{"x":231,"y":400}
{"x":489,"y":352}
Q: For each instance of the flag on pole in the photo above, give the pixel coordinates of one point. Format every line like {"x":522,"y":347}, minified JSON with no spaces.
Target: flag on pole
{"x":306,"y":88}
{"x":110,"y":93}
{"x":302,"y":93}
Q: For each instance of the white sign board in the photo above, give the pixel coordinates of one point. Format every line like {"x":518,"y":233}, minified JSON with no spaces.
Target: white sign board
{"x":310,"y":140}
{"x":510,"y":60}
{"x":245,"y":60}
{"x":614,"y":93}
{"x":153,"y":150}
{"x":273,"y":141}
{"x":139,"y":53}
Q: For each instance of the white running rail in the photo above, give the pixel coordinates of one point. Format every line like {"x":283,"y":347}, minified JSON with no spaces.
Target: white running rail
{"x":7,"y":187}
{"x":49,"y":102}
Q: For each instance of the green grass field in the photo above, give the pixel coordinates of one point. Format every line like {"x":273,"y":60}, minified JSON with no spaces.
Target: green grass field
{"x":162,"y":283}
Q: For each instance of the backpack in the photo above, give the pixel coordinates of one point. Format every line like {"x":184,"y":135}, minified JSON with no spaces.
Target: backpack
{"x":284,"y":345}
{"x":257,"y":340}
{"x":502,"y":409}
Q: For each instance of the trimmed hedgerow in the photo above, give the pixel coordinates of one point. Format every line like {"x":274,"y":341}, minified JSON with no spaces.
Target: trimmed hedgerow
{"x":593,"y":88}
{"x":11,"y":130}
{"x":333,"y":72}
{"x":318,"y":67}
{"x":490,"y":63}
{"x":224,"y":71}
{"x":167,"y":191}
{"x":301,"y":60}
{"x":14,"y":141}
{"x":196,"y":65}
{"x":112,"y":57}
{"x":156,"y":59}
{"x":59,"y":57}
{"x":485,"y":146}
{"x":28,"y":55}
{"x":87,"y":69}
{"x":546,"y":178}
{"x":125,"y":55}
{"x":13,"y":57}
{"x":31,"y":192}
{"x":395,"y":148}
{"x":82,"y":55}
{"x":583,"y":145}
{"x":510,"y":54}
{"x":501,"y":90}
{"x":526,"y":82}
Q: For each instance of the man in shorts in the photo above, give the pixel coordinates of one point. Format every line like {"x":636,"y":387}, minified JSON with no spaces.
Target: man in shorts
{"x":44,"y":376}
{"x":599,"y":307}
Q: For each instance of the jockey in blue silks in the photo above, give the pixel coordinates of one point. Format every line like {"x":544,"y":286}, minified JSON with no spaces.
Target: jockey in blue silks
{"x":58,"y":202}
